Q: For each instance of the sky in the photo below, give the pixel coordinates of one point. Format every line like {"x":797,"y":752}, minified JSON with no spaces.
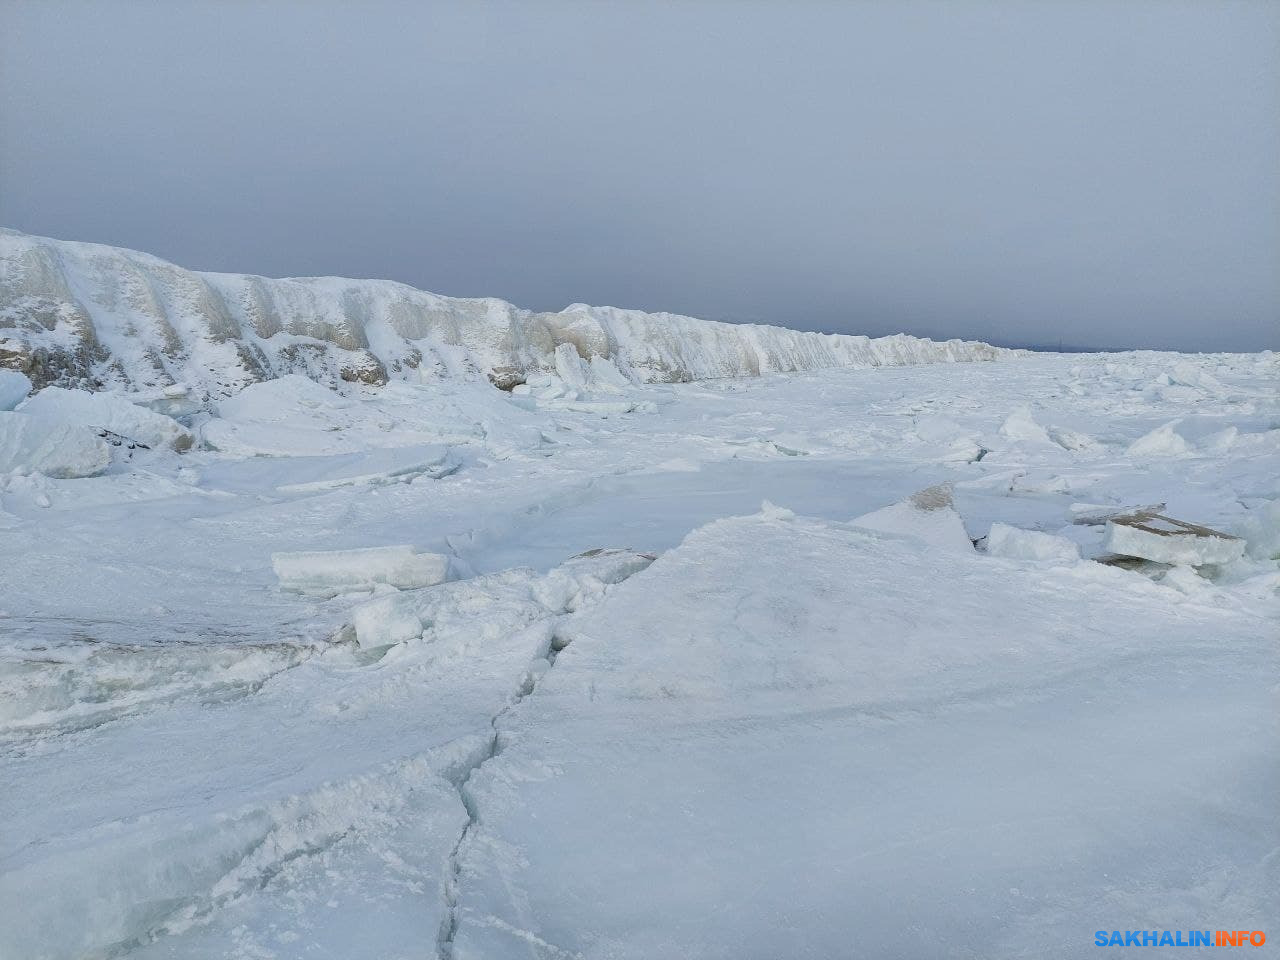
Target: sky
{"x":1085,"y":173}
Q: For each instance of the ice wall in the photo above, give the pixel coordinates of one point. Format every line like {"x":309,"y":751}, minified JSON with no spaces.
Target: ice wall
{"x":92,"y":316}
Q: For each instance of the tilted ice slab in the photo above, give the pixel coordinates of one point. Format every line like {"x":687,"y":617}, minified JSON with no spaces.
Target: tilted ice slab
{"x":327,"y":573}
{"x":80,"y":314}
{"x":796,"y":738}
{"x":928,"y":516}
{"x":1018,"y":544}
{"x":1164,"y":540}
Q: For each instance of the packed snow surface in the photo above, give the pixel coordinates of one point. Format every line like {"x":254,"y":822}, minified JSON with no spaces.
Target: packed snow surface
{"x":716,"y":671}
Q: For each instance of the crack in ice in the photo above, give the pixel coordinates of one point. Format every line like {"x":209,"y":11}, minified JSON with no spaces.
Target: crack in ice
{"x":547,"y":652}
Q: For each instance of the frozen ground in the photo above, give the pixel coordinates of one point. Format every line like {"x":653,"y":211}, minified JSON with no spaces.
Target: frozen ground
{"x":778,"y":730}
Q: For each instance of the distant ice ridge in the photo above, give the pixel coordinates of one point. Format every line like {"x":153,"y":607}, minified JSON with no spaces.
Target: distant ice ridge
{"x":99,"y":317}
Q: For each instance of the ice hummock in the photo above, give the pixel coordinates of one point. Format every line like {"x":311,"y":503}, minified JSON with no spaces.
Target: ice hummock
{"x":928,"y":515}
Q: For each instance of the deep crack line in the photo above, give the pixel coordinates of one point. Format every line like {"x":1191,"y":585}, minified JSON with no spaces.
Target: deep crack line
{"x":547,"y":652}
{"x":548,"y":640}
{"x":453,"y":869}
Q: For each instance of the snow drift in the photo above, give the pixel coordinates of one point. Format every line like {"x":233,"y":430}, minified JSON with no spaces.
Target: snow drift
{"x":91,"y":316}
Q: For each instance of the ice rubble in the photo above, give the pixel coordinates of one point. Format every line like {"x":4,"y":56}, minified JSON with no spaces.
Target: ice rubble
{"x":327,"y":573}
{"x":573,"y":585}
{"x":80,"y":314}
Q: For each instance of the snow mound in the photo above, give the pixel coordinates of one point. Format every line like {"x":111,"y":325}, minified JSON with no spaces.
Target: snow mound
{"x":289,"y":417}
{"x":82,"y":314}
{"x":548,"y":392}
{"x":14,"y":387}
{"x":33,"y":445}
{"x":327,"y":573}
{"x":946,"y":441}
{"x":109,"y":415}
{"x":929,"y":516}
{"x":1015,"y":543}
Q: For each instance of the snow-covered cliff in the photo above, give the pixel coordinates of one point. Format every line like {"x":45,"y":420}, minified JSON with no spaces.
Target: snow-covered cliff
{"x":100,"y":317}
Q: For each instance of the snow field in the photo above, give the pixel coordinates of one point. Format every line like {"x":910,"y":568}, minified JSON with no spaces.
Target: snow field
{"x":830,"y":724}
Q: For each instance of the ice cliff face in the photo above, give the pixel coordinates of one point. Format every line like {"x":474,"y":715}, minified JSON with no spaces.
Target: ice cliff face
{"x":99,"y":317}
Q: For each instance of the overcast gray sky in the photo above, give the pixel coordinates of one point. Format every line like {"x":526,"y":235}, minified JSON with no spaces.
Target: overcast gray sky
{"x":1101,"y":173}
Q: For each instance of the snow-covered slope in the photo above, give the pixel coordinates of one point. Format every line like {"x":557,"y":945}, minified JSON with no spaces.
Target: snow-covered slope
{"x":92,"y":316}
